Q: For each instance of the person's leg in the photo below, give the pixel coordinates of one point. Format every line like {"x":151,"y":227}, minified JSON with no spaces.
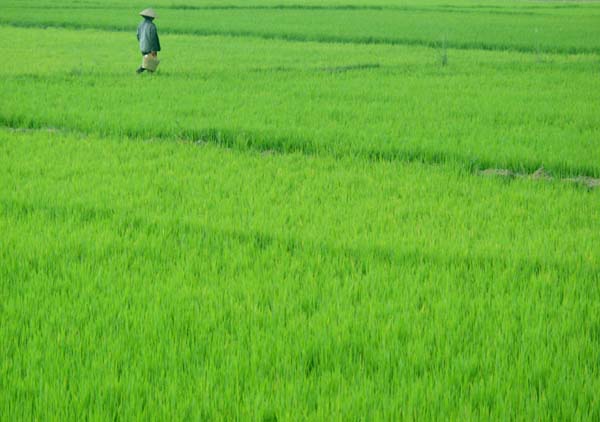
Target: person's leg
{"x":141,"y":68}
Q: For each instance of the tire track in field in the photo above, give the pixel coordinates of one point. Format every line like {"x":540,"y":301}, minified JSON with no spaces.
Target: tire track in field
{"x":304,"y":38}
{"x":357,"y":257}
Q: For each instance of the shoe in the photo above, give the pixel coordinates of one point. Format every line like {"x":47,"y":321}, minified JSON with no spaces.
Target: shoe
{"x":140,"y":70}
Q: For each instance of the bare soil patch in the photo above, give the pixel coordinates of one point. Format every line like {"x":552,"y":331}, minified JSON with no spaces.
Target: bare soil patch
{"x":541,"y":174}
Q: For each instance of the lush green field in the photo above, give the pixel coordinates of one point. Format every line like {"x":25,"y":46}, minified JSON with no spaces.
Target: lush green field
{"x":570,"y":27}
{"x":289,"y":221}
{"x":485,"y":109}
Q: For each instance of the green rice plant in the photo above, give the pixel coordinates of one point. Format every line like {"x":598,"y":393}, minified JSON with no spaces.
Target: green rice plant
{"x":499,"y":27}
{"x":163,"y":279}
{"x":494,"y":109}
{"x":300,"y":216}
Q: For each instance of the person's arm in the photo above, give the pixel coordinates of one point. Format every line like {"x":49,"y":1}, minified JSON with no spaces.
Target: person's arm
{"x":155,"y":42}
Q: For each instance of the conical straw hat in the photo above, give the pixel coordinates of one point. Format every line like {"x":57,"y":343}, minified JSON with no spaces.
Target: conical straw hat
{"x":150,"y":13}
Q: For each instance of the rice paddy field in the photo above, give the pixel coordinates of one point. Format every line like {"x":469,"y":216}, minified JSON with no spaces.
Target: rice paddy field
{"x":313,"y":210}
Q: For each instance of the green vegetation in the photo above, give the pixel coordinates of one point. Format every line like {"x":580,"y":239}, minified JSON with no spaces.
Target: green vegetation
{"x":485,"y":110}
{"x":564,"y":29}
{"x":268,"y":229}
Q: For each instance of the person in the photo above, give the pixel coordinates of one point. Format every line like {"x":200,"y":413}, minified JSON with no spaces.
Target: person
{"x":147,"y":36}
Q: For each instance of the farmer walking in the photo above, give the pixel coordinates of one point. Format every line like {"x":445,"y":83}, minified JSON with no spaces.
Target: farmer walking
{"x":149,"y":43}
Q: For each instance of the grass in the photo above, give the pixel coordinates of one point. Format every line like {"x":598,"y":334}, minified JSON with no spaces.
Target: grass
{"x":277,"y":230}
{"x":484,"y":110}
{"x":564,"y":30}
{"x":200,"y":282}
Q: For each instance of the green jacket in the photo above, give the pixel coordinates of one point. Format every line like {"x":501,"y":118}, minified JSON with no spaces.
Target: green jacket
{"x":147,"y":36}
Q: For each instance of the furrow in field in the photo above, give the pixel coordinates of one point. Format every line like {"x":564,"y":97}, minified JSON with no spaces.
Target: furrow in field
{"x":521,"y":9}
{"x":356,"y":7}
{"x":247,"y":140}
{"x":438,"y":41}
{"x":273,"y":36}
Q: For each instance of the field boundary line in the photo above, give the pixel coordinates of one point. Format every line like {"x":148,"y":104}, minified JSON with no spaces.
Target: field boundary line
{"x":322,"y":39}
{"x":248,"y":141}
{"x":358,"y":8}
{"x":526,"y":10}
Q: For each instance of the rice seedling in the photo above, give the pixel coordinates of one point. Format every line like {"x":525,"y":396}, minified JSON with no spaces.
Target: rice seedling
{"x":301,"y":215}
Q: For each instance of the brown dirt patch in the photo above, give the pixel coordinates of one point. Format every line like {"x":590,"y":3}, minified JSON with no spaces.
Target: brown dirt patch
{"x":497,"y":172}
{"x":541,"y":174}
{"x":588,"y":182}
